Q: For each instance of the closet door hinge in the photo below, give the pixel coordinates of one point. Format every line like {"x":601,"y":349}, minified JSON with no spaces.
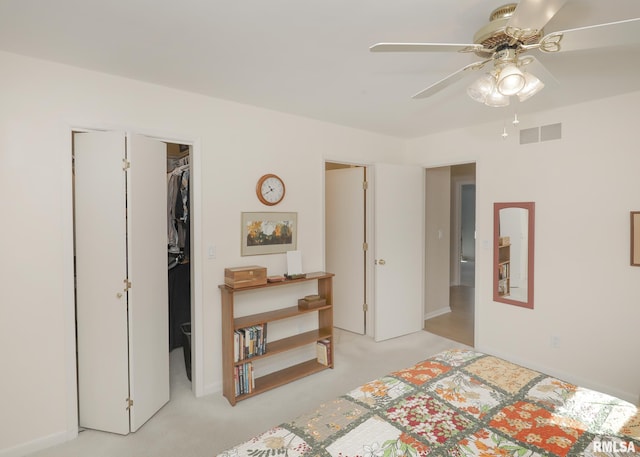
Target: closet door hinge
{"x":365,"y":307}
{"x":365,"y":246}
{"x":129,"y":403}
{"x":365,"y":185}
{"x":127,"y":284}
{"x":126,"y":164}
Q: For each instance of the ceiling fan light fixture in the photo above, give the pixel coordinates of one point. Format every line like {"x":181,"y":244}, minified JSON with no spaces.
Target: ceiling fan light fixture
{"x":531,"y":87}
{"x":482,"y":87}
{"x":496,"y":100}
{"x":510,"y":80}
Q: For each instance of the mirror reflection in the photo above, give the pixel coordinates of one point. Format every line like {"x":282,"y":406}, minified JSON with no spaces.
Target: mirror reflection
{"x":513,"y":253}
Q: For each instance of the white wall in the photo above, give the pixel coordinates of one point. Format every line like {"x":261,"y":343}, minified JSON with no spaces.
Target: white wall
{"x":437,"y":241}
{"x":584,"y":187}
{"x":235,"y":143}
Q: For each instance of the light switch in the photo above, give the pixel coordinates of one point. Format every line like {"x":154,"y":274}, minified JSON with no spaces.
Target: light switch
{"x":212,"y":252}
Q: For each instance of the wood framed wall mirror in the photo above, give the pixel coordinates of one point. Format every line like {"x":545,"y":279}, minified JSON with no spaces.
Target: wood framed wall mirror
{"x":513,"y":253}
{"x":635,"y":238}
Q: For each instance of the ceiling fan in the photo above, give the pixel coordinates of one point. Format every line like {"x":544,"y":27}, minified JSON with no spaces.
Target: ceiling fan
{"x":513,"y":33}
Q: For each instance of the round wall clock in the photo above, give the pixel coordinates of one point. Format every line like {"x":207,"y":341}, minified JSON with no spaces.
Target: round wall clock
{"x":270,"y":189}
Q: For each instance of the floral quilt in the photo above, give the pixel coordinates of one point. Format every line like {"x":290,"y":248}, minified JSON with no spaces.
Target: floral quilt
{"x":458,"y":403}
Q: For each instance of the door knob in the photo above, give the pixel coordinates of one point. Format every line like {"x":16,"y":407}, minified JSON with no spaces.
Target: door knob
{"x":119,"y":295}
{"x":381,"y":262}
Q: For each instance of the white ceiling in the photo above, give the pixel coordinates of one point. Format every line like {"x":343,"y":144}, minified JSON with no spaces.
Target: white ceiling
{"x":311,"y":57}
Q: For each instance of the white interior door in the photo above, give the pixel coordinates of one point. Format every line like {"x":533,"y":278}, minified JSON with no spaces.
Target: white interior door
{"x":148,"y":296}
{"x":100,"y":245}
{"x":399,"y":250}
{"x":345,"y":235}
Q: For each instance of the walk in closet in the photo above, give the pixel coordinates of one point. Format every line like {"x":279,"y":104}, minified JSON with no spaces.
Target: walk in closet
{"x":179,"y":249}
{"x":130,"y":303}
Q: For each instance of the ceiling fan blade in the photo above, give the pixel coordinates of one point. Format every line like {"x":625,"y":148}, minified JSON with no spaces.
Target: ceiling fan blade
{"x":425,"y":47}
{"x":531,"y":16}
{"x":447,"y":81}
{"x":535,"y":67}
{"x":595,"y":36}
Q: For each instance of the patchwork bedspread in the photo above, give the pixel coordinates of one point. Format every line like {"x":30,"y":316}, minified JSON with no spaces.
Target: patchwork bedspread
{"x":458,"y":403}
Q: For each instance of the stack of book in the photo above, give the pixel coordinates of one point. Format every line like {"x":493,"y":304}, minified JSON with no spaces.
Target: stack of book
{"x":323,"y":352}
{"x":250,"y":341}
{"x":243,"y":377}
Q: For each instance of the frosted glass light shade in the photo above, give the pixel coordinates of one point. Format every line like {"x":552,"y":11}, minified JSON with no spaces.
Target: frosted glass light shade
{"x":482,"y":87}
{"x":496,"y":99}
{"x":531,"y":87}
{"x":511,"y":80}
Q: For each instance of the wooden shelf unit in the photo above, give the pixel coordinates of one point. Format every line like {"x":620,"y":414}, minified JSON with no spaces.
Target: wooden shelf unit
{"x":230,"y":324}
{"x":504,"y":269}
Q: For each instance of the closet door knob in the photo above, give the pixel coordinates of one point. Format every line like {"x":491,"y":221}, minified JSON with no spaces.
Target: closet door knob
{"x":119,"y":295}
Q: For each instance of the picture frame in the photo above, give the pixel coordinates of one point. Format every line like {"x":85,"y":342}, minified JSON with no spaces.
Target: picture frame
{"x":268,"y":233}
{"x":635,"y":238}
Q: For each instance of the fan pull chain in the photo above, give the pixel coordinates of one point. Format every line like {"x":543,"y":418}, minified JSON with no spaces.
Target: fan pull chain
{"x":515,"y":123}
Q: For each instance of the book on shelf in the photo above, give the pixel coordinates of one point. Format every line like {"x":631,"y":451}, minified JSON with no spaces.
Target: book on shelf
{"x":276,"y":278}
{"x":323,"y":352}
{"x":249,"y":342}
{"x":503,"y":271}
{"x":244,"y":379}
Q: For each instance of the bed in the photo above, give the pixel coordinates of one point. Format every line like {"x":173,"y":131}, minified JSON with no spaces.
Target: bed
{"x":458,"y":403}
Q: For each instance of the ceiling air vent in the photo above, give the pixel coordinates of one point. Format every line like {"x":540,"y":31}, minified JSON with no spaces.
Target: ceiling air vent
{"x":544,"y":133}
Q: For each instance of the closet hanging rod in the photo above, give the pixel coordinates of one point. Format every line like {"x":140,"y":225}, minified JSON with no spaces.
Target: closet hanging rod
{"x":179,"y":169}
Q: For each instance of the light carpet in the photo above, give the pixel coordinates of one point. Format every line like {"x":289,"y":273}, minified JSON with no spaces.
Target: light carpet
{"x":189,"y":426}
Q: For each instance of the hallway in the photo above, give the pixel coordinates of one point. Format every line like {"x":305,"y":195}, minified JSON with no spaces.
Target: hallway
{"x":458,"y":325}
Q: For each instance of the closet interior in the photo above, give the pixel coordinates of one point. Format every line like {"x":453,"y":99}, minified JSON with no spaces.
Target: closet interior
{"x":179,"y":249}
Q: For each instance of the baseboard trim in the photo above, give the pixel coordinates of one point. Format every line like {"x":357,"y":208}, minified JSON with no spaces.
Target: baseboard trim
{"x":437,"y":312}
{"x":39,"y":444}
{"x":577,"y":380}
{"x":213,"y":388}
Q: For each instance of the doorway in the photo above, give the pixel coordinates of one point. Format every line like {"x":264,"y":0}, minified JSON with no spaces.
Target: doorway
{"x":467,"y":258}
{"x":456,"y":319}
{"x":134,"y":169}
{"x":392,"y":283}
{"x":179,"y":254}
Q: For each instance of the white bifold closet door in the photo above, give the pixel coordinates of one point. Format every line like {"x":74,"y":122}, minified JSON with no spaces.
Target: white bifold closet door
{"x":121,"y":279}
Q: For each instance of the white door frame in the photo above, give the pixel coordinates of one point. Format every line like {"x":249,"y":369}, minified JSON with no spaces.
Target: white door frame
{"x":197,"y":341}
{"x":369,"y":235}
